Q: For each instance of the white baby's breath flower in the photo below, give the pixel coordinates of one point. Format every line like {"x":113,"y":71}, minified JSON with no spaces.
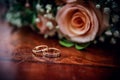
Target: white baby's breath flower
{"x":107,"y":10}
{"x":38,"y":6}
{"x":101,"y":38}
{"x":98,"y":6}
{"x":17,"y":22}
{"x":57,"y":27}
{"x":46,"y":36}
{"x":60,"y":36}
{"x":114,"y":5}
{"x":41,"y":10}
{"x":9,"y":16}
{"x":49,"y":16}
{"x":49,"y":25}
{"x":45,"y":15}
{"x":115,"y":18}
{"x":37,"y":20}
{"x":17,"y":14}
{"x":47,"y":11}
{"x":116,"y":34}
{"x":108,"y":33}
{"x":48,"y":8}
{"x":113,"y":41}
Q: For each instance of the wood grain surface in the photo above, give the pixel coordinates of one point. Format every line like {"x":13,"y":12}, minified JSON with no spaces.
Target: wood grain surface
{"x":16,"y":62}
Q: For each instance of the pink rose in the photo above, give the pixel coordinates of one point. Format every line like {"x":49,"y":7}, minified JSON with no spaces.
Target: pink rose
{"x":79,"y":23}
{"x":44,"y":28}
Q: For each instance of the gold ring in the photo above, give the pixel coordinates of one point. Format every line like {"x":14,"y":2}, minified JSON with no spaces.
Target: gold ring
{"x":38,"y":50}
{"x":38,"y":58}
{"x":52,"y":53}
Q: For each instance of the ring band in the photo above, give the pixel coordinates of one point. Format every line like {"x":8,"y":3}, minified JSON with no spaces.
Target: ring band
{"x":38,"y":58}
{"x":38,"y":50}
{"x":52,"y":53}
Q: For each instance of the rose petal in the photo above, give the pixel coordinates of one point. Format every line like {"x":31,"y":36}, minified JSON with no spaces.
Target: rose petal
{"x":77,"y":21}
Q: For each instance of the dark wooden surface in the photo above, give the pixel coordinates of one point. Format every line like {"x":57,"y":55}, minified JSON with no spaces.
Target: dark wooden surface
{"x":94,"y":63}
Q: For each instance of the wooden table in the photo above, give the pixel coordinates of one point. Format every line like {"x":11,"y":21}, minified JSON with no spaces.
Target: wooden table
{"x":94,"y":63}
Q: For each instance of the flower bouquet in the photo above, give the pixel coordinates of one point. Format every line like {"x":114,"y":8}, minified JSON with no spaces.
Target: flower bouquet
{"x":76,"y":23}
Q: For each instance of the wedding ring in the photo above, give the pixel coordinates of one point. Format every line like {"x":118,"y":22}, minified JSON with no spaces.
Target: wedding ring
{"x":39,"y":50}
{"x":52,"y":53}
{"x":38,"y":58}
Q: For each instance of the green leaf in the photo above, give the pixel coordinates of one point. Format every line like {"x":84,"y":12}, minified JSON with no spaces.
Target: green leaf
{"x":33,"y":19}
{"x":81,"y":46}
{"x":66,"y":43}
